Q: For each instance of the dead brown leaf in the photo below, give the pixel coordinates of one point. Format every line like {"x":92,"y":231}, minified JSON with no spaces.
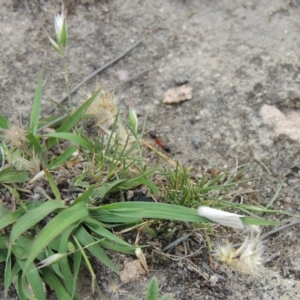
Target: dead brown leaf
{"x":132,"y":271}
{"x":178,"y":94}
{"x":284,"y":124}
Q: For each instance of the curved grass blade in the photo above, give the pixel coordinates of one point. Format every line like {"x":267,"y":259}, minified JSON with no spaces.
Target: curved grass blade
{"x":64,"y":263}
{"x":35,"y":281}
{"x":72,"y":120}
{"x":32,"y":217}
{"x":55,"y":227}
{"x":52,"y":184}
{"x":35,"y":143}
{"x":96,"y":227}
{"x":61,"y":159}
{"x":85,"y":239}
{"x":9,"y":175}
{"x":73,"y":138}
{"x":11,"y":218}
{"x":53,"y":281}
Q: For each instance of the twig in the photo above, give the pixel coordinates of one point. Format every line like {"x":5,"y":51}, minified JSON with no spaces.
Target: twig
{"x":264,"y":236}
{"x":130,"y":79}
{"x":77,"y":86}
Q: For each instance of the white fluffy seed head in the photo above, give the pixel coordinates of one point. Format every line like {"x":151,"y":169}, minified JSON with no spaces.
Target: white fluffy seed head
{"x":221,"y":217}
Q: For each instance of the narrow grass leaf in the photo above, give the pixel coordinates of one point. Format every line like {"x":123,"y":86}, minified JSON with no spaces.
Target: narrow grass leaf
{"x":252,"y":221}
{"x":4,"y":123}
{"x":55,"y":227}
{"x":51,"y":122}
{"x":35,"y":281}
{"x":52,"y":184}
{"x":85,"y":239}
{"x":8,"y":175}
{"x":275,"y":195}
{"x":36,"y":107}
{"x":77,"y":258}
{"x":72,"y":120}
{"x":7,"y":271}
{"x":116,"y":247}
{"x":32,"y":217}
{"x":78,"y":140}
{"x":142,"y":210}
{"x":35,"y":143}
{"x":87,"y":263}
{"x":61,"y":159}
{"x":53,"y":281}
{"x":107,"y":187}
{"x":85,"y":197}
{"x":21,"y":289}
{"x":11,"y":218}
{"x":64,"y":263}
{"x":14,"y":272}
{"x":3,"y":210}
{"x":104,"y":233}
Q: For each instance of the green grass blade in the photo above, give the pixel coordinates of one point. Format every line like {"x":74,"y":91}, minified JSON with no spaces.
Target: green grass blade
{"x":72,"y":120}
{"x":61,"y":159}
{"x":21,"y":288}
{"x":32,"y":217}
{"x":52,"y":184}
{"x":63,"y":262}
{"x":35,"y":143}
{"x":140,"y":210}
{"x":36,"y":107}
{"x":53,"y":281}
{"x":85,"y":197}
{"x":152,"y":291}
{"x":276,"y":194}
{"x":3,"y":210}
{"x":4,"y":123}
{"x":35,"y":281}
{"x":106,"y":187}
{"x":7,"y":271}
{"x":14,"y":273}
{"x":8,"y":175}
{"x":73,"y":138}
{"x":76,"y":267}
{"x":85,"y":239}
{"x":11,"y":218}
{"x":261,"y":222}
{"x":104,"y":233}
{"x":55,"y":227}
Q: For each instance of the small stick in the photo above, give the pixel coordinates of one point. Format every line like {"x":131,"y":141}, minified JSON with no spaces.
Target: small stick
{"x":264,"y":236}
{"x":105,"y":66}
{"x":130,"y":79}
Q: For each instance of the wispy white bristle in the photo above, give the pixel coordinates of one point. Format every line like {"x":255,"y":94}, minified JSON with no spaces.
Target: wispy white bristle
{"x":222,"y":217}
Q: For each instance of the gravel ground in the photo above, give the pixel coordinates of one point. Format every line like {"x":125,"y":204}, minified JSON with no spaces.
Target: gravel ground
{"x":237,"y":57}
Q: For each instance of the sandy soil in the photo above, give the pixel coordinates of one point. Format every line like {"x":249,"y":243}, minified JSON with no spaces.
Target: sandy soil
{"x":238,"y":55}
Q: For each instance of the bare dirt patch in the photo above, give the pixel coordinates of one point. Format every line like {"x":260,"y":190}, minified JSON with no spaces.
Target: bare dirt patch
{"x":238,"y":55}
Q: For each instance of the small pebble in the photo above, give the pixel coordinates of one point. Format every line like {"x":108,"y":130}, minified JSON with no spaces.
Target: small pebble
{"x":192,"y":120}
{"x":288,"y":200}
{"x":196,"y":142}
{"x":182,"y":79}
